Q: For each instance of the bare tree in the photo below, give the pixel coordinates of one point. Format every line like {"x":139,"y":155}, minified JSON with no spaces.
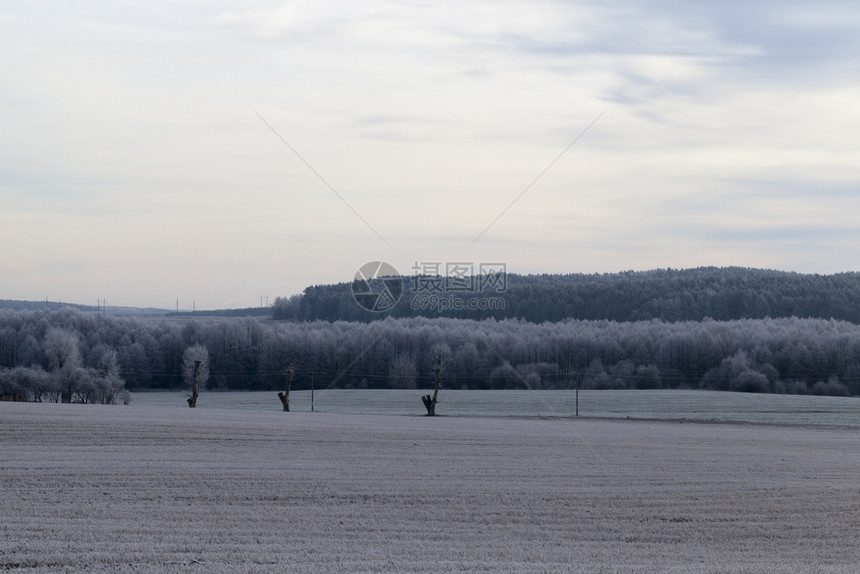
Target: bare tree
{"x":195,"y":371}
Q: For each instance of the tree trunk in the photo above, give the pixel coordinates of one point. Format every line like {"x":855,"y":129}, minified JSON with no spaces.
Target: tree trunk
{"x":285,"y":397}
{"x":430,"y":402}
{"x":195,"y":386}
{"x":430,"y":405}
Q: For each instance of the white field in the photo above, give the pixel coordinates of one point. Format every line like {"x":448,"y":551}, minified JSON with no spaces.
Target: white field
{"x":651,"y":404}
{"x":143,"y":489}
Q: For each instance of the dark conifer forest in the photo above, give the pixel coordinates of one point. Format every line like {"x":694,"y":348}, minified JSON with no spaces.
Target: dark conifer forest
{"x":723,"y":329}
{"x":722,"y":294}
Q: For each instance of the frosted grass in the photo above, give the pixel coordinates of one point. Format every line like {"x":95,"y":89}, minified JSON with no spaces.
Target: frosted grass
{"x":170,"y":489}
{"x":652,"y":404}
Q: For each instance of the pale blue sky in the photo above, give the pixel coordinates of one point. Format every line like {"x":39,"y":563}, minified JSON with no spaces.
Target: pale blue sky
{"x":133,"y":166}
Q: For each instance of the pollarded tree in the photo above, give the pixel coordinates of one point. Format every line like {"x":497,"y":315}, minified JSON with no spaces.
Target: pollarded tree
{"x":195,"y":371}
{"x":430,"y":402}
{"x":285,"y":396}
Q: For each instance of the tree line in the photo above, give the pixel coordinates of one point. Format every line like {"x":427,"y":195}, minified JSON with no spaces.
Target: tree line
{"x":66,"y":379}
{"x":791,"y":355}
{"x":722,"y":294}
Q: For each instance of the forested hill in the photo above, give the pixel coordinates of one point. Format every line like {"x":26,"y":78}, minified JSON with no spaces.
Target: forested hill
{"x":726,"y":293}
{"x":18,"y":305}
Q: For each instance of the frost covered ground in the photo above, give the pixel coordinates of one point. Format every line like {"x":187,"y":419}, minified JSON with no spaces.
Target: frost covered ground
{"x":142,"y":489}
{"x":642,"y":404}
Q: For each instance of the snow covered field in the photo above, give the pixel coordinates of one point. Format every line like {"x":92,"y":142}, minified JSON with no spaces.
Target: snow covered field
{"x":651,"y":404}
{"x":170,"y":489}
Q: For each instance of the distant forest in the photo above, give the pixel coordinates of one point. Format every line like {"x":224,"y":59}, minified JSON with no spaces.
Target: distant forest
{"x":722,"y":294}
{"x":17,"y":305}
{"x":791,"y":355}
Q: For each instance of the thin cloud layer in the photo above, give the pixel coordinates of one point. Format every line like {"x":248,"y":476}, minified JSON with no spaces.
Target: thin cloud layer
{"x":133,"y":167}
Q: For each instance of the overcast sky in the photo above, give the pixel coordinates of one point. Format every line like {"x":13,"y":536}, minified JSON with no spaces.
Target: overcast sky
{"x":135,"y":166}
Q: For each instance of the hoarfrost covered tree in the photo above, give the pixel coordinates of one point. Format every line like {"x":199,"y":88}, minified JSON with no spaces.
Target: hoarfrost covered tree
{"x":11,"y":387}
{"x":86,"y":385}
{"x":42,"y":384}
{"x":736,"y":373}
{"x":647,"y":377}
{"x":24,"y":383}
{"x":64,"y":357}
{"x":596,"y":377}
{"x":790,"y":354}
{"x":109,"y":388}
{"x":831,"y":388}
{"x":503,"y":377}
{"x":195,"y":371}
{"x":403,"y":372}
